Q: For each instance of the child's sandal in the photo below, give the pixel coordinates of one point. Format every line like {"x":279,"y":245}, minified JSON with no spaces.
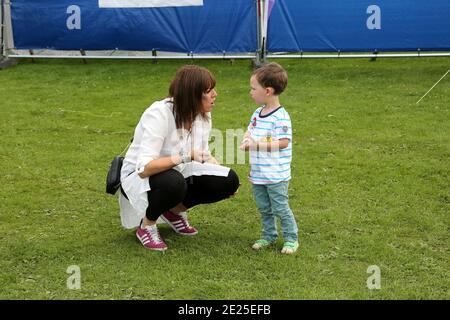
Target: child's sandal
{"x":289,"y":247}
{"x":261,"y":243}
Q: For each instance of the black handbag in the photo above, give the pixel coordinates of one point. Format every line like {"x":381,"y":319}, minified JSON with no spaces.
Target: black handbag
{"x":113,"y":177}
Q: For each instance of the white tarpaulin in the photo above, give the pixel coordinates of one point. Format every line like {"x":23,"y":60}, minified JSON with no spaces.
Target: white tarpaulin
{"x":148,"y":3}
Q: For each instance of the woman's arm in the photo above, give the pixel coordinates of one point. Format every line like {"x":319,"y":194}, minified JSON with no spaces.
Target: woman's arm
{"x":159,"y":165}
{"x":162,"y":164}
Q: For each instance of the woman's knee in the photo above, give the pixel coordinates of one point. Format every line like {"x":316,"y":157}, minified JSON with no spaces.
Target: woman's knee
{"x":177,"y":184}
{"x":173,"y":183}
{"x":232,"y":182}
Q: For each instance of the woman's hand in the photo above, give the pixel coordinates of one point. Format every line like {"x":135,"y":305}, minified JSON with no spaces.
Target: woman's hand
{"x":213,"y":160}
{"x":200,"y":156}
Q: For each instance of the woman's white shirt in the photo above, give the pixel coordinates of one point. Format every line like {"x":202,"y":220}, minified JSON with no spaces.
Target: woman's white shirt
{"x":156,"y":137}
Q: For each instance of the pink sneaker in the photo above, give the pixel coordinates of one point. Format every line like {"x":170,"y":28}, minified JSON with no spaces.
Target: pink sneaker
{"x":150,"y":238}
{"x":178,"y":223}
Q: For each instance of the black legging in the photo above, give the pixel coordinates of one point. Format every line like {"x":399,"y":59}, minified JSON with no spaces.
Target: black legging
{"x":170,"y":188}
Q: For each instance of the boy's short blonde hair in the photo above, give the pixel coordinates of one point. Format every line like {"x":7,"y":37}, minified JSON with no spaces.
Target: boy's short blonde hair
{"x":272,"y":75}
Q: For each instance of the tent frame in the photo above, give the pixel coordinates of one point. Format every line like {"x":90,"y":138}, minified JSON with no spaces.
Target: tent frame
{"x":8,"y":51}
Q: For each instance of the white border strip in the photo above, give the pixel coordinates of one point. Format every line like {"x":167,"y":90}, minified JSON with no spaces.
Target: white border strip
{"x":367,"y":55}
{"x":148,"y":3}
{"x":225,"y":57}
{"x":217,"y":57}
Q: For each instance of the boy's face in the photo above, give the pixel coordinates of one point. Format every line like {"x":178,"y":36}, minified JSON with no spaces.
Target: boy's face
{"x":258,"y":93}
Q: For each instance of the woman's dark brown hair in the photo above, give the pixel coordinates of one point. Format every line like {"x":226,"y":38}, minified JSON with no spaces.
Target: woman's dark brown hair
{"x":187,"y":89}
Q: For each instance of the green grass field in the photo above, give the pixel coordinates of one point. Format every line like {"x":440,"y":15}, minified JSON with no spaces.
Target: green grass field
{"x":370,"y":185}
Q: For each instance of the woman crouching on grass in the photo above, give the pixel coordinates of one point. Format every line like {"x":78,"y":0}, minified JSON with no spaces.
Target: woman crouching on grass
{"x":168,"y":167}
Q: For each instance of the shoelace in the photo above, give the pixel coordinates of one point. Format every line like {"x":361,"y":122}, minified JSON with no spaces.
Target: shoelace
{"x":154,"y":234}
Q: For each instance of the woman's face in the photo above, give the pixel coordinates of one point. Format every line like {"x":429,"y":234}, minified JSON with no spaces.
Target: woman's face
{"x":208,"y":100}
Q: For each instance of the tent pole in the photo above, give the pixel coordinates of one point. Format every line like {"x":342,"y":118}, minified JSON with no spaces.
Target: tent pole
{"x":259,"y":31}
{"x":264,"y":28}
{"x":5,"y":35}
{"x":2,"y":27}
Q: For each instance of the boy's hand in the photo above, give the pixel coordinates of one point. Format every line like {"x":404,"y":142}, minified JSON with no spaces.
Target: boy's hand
{"x":244,"y":145}
{"x":248,"y":143}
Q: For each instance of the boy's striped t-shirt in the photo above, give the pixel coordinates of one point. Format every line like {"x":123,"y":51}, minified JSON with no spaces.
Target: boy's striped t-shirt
{"x":275,"y":166}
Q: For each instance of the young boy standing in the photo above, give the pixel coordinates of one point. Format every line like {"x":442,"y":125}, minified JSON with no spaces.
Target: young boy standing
{"x":269,"y":140}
